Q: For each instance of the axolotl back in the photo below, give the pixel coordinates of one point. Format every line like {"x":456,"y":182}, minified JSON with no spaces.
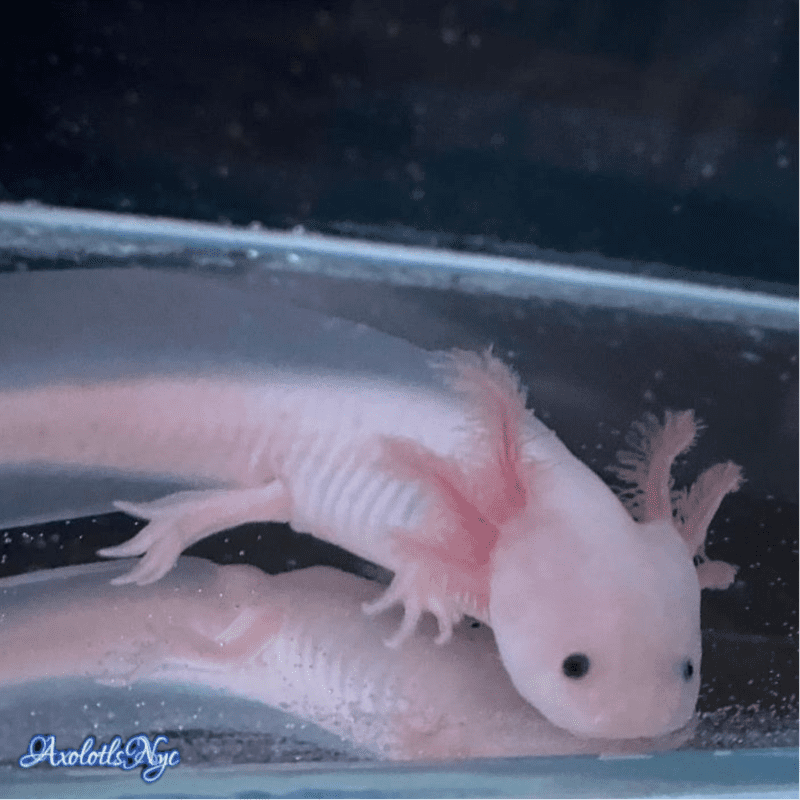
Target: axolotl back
{"x":449,"y":481}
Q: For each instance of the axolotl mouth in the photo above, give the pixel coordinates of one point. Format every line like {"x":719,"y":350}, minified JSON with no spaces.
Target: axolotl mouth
{"x":622,"y":674}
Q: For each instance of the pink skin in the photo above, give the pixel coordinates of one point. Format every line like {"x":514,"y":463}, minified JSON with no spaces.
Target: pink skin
{"x":564,"y":568}
{"x":474,"y":504}
{"x":295,"y":641}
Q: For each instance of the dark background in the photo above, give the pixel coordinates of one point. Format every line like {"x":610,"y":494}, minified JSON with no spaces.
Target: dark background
{"x":652,"y":132}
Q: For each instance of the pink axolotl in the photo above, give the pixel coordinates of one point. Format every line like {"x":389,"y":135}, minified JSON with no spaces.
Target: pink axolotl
{"x":428,"y":464}
{"x":295,"y":641}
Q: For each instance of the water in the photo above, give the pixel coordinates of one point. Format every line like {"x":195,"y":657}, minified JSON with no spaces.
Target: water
{"x":596,"y":349}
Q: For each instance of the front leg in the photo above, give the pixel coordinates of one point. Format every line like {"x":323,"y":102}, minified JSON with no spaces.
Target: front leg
{"x":417,"y":593}
{"x":182,"y":519}
{"x":430,"y":579}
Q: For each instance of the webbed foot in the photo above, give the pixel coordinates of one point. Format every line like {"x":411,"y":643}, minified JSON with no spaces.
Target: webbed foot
{"x":160,"y":542}
{"x":182,"y":519}
{"x":417,"y":593}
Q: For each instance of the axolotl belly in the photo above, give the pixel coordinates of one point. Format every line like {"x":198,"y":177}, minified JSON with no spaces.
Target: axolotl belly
{"x":428,"y":464}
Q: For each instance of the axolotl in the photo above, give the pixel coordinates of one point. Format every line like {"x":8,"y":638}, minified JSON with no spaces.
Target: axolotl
{"x":294,"y":641}
{"x":429,"y":464}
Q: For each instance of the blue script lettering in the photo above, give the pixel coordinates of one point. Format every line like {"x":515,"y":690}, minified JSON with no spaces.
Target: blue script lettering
{"x":138,"y":751}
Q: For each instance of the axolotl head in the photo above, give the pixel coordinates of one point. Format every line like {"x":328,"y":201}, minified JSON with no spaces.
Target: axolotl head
{"x":597,"y":617}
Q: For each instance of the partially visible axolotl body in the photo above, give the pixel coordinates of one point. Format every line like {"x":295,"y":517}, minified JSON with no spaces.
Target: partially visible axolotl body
{"x":295,"y":641}
{"x":444,"y":477}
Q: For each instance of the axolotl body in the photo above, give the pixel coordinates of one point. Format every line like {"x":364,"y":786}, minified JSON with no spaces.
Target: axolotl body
{"x":427,"y":464}
{"x":296,"y":641}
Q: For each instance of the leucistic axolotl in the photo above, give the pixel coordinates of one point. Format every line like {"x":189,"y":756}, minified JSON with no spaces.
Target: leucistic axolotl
{"x":427,"y":464}
{"x":296,"y":641}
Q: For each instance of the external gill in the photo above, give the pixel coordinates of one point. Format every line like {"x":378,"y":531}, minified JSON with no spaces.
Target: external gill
{"x":648,"y":464}
{"x":647,"y":467}
{"x":446,"y":561}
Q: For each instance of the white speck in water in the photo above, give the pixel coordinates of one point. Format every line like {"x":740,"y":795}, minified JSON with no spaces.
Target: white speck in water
{"x":415,"y":171}
{"x":450,"y":36}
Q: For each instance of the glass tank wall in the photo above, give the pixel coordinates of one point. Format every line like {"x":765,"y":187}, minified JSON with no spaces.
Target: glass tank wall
{"x":597,"y":349}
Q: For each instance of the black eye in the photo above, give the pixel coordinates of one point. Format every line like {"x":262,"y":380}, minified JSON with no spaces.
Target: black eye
{"x":688,"y":669}
{"x":576,"y":665}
